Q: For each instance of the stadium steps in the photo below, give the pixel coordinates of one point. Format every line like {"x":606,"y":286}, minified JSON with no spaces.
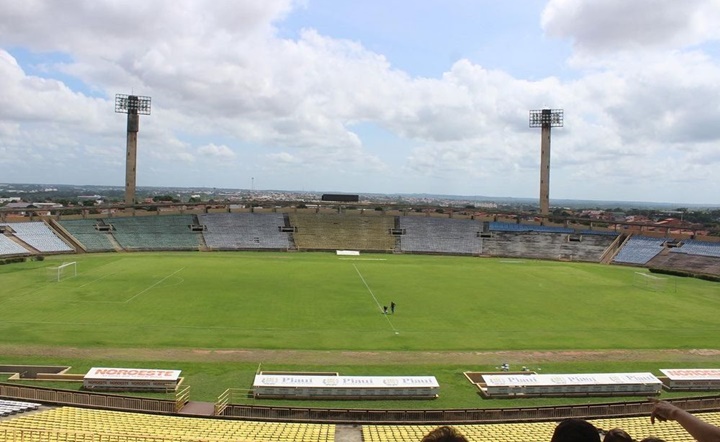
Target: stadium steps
{"x":67,"y":236}
{"x":84,"y":232}
{"x":197,"y":408}
{"x":613,"y":249}
{"x":30,"y":249}
{"x":114,"y":243}
{"x":348,"y":433}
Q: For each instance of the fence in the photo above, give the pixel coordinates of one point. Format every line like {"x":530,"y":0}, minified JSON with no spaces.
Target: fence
{"x":352,"y":416}
{"x":460,"y":416}
{"x":79,"y":398}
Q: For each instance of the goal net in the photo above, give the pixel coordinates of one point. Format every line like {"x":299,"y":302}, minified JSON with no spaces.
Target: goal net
{"x":650,"y":282}
{"x":64,"y":271}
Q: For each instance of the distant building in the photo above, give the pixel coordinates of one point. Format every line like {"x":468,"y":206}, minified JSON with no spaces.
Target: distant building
{"x":42,"y":209}
{"x":344,"y":198}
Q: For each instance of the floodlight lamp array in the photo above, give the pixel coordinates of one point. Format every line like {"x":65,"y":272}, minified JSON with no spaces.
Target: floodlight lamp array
{"x":132,"y":104}
{"x":547,"y":117}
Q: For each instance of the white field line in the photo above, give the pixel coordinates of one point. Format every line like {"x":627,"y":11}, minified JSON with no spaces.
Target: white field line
{"x":96,"y":280}
{"x":375,"y":298}
{"x":153,"y":285}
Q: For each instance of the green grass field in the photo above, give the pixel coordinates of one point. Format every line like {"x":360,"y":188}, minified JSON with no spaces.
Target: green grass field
{"x":151,"y":302}
{"x":321,"y":301}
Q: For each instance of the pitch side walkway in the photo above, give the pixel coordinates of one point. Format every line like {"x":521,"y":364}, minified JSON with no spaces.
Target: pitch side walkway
{"x":316,"y":357}
{"x":348,"y":433}
{"x":197,"y":408}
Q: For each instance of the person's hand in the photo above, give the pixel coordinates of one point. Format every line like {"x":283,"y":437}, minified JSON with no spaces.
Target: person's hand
{"x":662,"y":411}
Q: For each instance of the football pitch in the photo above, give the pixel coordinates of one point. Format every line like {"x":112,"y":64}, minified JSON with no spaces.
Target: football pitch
{"x":320,"y":301}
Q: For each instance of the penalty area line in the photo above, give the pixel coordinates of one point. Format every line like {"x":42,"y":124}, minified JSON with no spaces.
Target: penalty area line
{"x":95,"y":280}
{"x":154,"y":285}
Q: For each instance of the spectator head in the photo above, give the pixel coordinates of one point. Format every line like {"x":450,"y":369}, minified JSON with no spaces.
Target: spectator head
{"x":444,"y":434}
{"x":617,"y":435}
{"x":652,"y":439}
{"x":575,"y":430}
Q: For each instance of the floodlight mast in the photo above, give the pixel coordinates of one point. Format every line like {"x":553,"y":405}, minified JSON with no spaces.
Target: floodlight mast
{"x":133,"y":106}
{"x":545,"y":119}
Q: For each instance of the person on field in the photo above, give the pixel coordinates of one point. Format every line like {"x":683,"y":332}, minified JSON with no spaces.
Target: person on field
{"x":392,"y":307}
{"x":699,"y":429}
{"x":384,"y":309}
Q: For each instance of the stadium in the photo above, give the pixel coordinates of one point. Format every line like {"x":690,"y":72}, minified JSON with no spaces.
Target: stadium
{"x":237,"y":300}
{"x":275,"y":314}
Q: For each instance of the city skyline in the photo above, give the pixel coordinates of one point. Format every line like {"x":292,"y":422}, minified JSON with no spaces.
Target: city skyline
{"x":399,"y":98}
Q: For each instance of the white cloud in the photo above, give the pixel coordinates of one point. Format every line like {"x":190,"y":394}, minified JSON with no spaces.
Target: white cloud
{"x":227,"y":90}
{"x":283,"y":158}
{"x":621,"y":25}
{"x":214,"y":151}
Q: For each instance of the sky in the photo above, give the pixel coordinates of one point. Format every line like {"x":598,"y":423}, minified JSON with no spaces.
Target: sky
{"x":399,"y":96}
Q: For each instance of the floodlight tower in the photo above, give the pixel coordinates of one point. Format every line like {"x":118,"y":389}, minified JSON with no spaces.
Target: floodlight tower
{"x":133,"y":106}
{"x":545,"y":119}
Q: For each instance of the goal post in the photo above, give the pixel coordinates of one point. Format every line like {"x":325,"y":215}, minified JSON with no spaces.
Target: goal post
{"x":65,"y":270}
{"x":651,"y":282}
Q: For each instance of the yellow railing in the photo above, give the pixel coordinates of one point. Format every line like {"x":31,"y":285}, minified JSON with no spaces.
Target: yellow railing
{"x":181,"y":398}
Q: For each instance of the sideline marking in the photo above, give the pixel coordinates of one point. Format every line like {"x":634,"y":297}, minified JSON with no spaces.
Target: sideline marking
{"x":376,"y":301}
{"x":362,"y":259}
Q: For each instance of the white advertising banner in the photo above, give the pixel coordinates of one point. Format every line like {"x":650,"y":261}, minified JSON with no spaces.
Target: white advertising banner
{"x":347,"y":252}
{"x":571,"y":379}
{"x":303,"y":386}
{"x":692,"y":374}
{"x":104,"y":378}
{"x":571,"y":384}
{"x":345,"y":381}
{"x":149,"y":374}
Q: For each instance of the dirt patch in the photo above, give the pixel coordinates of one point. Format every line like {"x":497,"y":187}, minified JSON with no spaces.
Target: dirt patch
{"x":315,"y":357}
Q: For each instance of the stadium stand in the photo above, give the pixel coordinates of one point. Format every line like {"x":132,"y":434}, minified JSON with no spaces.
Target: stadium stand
{"x":82,"y":424}
{"x":168,"y":232}
{"x":242,"y":231}
{"x":598,"y":232}
{"x":683,"y":262}
{"x":547,"y":245}
{"x":8,"y":407}
{"x":520,"y":432}
{"x":694,"y":247}
{"x":8,"y":247}
{"x":638,"y":427}
{"x":39,"y":236}
{"x":439,"y":235}
{"x":85,"y":232}
{"x":513,"y":227}
{"x":639,"y":250}
{"x":120,"y":426}
{"x":343,"y":232}
{"x":226,"y":231}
